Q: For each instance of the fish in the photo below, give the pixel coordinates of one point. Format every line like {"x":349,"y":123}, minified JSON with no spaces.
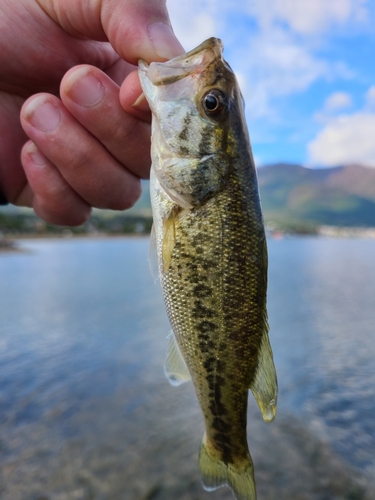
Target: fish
{"x":211,"y":254}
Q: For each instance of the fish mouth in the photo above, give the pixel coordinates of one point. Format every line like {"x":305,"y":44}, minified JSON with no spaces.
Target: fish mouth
{"x":183,"y":65}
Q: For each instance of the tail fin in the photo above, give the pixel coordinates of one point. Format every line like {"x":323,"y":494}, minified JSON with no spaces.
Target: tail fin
{"x":216,"y":473}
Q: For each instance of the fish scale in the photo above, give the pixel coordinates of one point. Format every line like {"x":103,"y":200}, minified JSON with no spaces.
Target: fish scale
{"x":212,"y":257}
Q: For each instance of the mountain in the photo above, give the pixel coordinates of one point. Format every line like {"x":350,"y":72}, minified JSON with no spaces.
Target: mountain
{"x":293,"y":198}
{"x":340,"y":196}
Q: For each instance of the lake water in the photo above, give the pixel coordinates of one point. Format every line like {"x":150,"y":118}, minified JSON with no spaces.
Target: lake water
{"x":82,"y":342}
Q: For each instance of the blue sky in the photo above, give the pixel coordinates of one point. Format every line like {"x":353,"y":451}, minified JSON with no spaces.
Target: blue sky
{"x":306,"y":69}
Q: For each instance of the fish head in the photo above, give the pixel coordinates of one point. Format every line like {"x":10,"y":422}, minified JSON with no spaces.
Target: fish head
{"x":195,"y":101}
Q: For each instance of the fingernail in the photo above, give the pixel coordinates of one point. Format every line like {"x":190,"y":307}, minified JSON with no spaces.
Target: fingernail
{"x":36,"y":156}
{"x":84,"y":88}
{"x":43,"y":114}
{"x":164,"y":41}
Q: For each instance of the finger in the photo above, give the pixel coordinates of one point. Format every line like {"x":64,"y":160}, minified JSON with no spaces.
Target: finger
{"x":25,"y":197}
{"x":135,"y":28}
{"x":118,"y":71}
{"x":132,"y":98}
{"x":12,"y":138}
{"x":93,"y":99}
{"x":82,"y":161}
{"x":53,"y":199}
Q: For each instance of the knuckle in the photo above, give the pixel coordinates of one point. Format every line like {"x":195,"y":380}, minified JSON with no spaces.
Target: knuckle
{"x":127,"y":197}
{"x":79,"y":159}
{"x":60,"y":217}
{"x":56,"y":206}
{"x":125,"y":132}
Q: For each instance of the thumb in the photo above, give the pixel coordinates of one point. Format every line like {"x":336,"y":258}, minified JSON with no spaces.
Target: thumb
{"x":136,"y":29}
{"x":140,"y":29}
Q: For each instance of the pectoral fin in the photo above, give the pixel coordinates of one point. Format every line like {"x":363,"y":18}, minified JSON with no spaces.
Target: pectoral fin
{"x":181,"y":200}
{"x":264,"y":386}
{"x":175,"y":367}
{"x":153,"y":255}
{"x":169,"y":240}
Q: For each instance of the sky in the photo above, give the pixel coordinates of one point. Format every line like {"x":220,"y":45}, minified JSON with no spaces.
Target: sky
{"x":306,"y":69}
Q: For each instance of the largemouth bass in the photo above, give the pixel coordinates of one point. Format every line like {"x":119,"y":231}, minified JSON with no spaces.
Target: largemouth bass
{"x":212,"y":255}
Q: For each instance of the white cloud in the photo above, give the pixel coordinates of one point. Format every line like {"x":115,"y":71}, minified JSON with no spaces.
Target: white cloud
{"x":282,"y":65}
{"x":308,"y":17}
{"x":337,"y":100}
{"x":370,"y":98}
{"x":194,"y":21}
{"x":333,"y":105}
{"x":345,"y":139}
{"x":277,"y":66}
{"x":273,"y":59}
{"x":274,"y":47}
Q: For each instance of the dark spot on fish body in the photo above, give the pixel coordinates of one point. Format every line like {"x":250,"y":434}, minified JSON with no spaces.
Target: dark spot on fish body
{"x":207,"y":326}
{"x":183,"y":135}
{"x":200,"y":311}
{"x":193,"y":268}
{"x":234,"y":336}
{"x":208,"y":178}
{"x":212,"y":380}
{"x":215,"y":74}
{"x":203,"y":337}
{"x":185,"y":256}
{"x":199,"y":250}
{"x":202,"y":291}
{"x":220,"y":425}
{"x":208,"y":264}
{"x":221,"y":365}
{"x":216,"y":407}
{"x":209,"y":364}
{"x":225,"y":448}
{"x":216,"y":394}
{"x":205,"y":144}
{"x":205,"y":345}
{"x":223,"y":432}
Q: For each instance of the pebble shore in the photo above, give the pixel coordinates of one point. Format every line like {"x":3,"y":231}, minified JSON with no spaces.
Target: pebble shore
{"x":144,"y":446}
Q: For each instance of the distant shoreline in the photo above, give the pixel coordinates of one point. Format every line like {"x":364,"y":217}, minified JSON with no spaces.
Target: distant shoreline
{"x":83,"y":236}
{"x":347,"y":232}
{"x":9,"y":242}
{"x":325,"y":232}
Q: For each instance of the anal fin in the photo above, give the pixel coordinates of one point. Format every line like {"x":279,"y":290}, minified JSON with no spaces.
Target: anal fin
{"x":264,"y":385}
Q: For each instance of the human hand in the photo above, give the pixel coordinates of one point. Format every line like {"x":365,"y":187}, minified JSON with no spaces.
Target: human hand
{"x":91,"y":147}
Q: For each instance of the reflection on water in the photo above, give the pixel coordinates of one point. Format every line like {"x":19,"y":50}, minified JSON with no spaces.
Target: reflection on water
{"x":322,"y":319}
{"x":72,"y":311}
{"x":82,"y":345}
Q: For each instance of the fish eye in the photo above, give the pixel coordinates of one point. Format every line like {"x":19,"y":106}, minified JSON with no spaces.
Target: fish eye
{"x":211,"y":102}
{"x":214,"y":103}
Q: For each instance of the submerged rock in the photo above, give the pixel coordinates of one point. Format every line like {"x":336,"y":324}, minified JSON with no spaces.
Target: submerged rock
{"x":150,"y":453}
